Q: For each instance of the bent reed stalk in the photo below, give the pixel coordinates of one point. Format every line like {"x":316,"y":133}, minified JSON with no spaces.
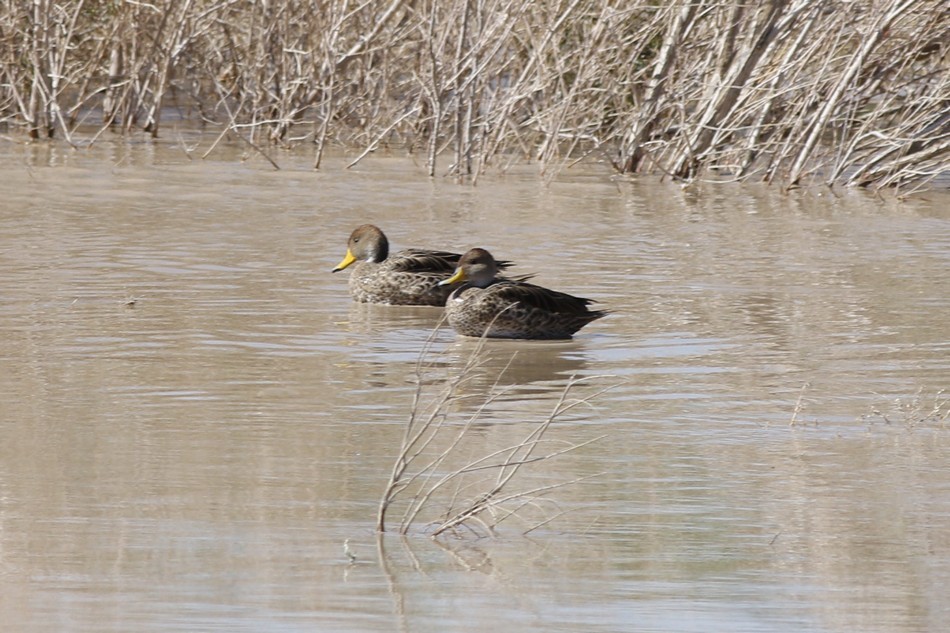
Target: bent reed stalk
{"x":436,"y":475}
{"x":787,"y":91}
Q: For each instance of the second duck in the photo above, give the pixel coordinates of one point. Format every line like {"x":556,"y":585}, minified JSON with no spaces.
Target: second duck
{"x":488,"y":305}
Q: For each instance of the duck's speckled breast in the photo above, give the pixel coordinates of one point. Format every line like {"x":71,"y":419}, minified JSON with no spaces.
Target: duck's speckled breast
{"x":377,"y":283}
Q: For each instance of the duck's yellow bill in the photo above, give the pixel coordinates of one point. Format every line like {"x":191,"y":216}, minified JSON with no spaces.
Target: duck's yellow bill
{"x":457,"y":277}
{"x":349,"y":259}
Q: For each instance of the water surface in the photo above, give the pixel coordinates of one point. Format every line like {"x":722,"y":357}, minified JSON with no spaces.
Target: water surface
{"x":196,"y":417}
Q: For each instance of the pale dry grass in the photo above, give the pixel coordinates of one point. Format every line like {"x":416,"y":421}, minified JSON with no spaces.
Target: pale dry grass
{"x":790,"y":91}
{"x":917,"y":411}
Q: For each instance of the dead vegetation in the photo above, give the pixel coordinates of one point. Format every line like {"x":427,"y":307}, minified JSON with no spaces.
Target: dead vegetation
{"x":917,"y":411}
{"x":446,"y":482}
{"x":785,"y":91}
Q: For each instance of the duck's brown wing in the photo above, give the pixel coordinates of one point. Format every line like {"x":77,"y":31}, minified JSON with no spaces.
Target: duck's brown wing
{"x":540,"y":297}
{"x":417,"y":260}
{"x":422,"y":261}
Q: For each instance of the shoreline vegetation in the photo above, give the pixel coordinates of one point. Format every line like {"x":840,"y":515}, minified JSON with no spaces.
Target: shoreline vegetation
{"x":794,"y":92}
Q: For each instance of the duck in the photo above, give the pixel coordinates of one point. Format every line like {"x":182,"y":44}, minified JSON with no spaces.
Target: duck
{"x":408,"y":277}
{"x":496,"y":307}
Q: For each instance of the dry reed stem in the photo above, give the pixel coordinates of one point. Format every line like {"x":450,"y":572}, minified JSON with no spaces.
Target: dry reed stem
{"x":423,"y":478}
{"x":914,"y":412}
{"x":799,"y":404}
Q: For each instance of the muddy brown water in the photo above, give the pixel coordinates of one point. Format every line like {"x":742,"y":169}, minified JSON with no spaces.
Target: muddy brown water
{"x":195,"y":417}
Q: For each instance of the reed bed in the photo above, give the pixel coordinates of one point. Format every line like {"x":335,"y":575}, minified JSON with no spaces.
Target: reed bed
{"x":787,"y":91}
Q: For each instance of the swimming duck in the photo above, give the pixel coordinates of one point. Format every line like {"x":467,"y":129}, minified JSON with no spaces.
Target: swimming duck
{"x":409,"y":277}
{"x":487,"y":305}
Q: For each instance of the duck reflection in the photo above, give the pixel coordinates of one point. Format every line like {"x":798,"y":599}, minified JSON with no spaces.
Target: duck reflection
{"x":370,"y":318}
{"x":512,"y":371}
{"x":406,"y":344}
{"x":522,"y":362}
